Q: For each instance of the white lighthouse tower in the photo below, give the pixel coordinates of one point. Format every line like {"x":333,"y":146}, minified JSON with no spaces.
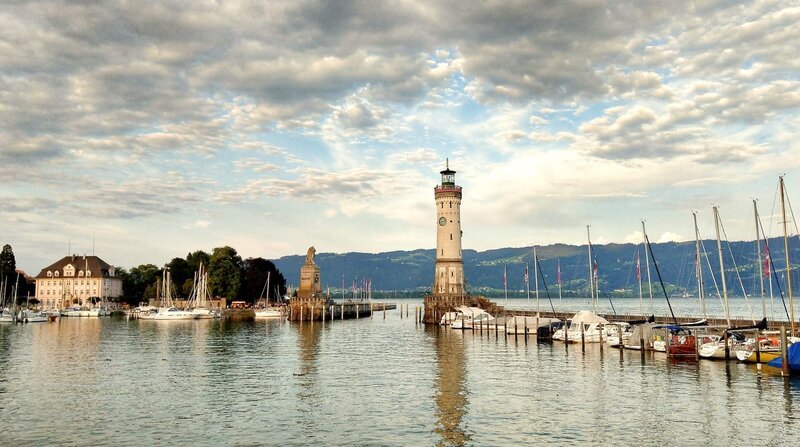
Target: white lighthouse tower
{"x":449,"y":276}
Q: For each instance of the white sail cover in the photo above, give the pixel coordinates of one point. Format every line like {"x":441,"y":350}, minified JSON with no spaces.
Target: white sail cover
{"x":587,"y":317}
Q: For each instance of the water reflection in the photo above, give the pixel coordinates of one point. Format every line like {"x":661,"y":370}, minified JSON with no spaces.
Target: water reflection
{"x":450,"y":382}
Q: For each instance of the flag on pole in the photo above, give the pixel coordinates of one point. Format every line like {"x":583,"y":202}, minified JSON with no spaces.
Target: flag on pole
{"x":505,"y":279}
{"x":559,"y":271}
{"x":766,"y":263}
{"x":595,"y":270}
{"x":638,"y":268}
{"x":526,"y":274}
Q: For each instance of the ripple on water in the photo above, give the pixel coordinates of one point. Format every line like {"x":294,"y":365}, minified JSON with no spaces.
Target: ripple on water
{"x":370,"y":381}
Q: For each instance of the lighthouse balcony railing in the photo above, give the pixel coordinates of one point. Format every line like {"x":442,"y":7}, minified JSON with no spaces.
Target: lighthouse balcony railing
{"x":443,"y":188}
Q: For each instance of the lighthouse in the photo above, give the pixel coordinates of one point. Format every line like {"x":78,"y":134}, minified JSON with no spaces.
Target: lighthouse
{"x":449,"y":275}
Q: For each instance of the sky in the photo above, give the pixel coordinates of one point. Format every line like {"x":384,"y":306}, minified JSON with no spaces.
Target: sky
{"x":141,"y":131}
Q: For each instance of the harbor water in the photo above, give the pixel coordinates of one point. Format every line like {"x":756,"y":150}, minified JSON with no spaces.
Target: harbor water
{"x":373,"y":381}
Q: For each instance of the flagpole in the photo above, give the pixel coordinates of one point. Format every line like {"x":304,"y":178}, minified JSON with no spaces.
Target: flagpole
{"x":560,"y":304}
{"x":760,"y":265}
{"x":505,"y":284}
{"x":639,"y":278}
{"x":536,"y":278}
{"x":591,"y":280}
{"x":528,"y":286}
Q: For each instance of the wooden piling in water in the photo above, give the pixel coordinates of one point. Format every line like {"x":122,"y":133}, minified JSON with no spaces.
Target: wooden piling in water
{"x":784,"y":353}
{"x":583,"y":339}
{"x":601,"y":340}
{"x":726,"y":338}
{"x":758,"y":348}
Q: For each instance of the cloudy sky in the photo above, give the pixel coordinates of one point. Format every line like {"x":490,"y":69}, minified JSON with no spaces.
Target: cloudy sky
{"x":159,"y":128}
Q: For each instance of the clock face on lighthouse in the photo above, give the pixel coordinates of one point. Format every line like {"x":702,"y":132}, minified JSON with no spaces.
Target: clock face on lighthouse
{"x":442,"y":221}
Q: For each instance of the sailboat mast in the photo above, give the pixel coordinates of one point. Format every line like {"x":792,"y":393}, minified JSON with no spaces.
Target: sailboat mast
{"x":699,"y":266}
{"x":647,"y":265}
{"x":788,"y":265}
{"x":591,"y":276}
{"x":760,"y":266}
{"x":559,"y":283}
{"x":639,"y":279}
{"x":722,"y":267}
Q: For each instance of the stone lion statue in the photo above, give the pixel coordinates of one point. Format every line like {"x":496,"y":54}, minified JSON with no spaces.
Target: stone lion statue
{"x":310,"y":256}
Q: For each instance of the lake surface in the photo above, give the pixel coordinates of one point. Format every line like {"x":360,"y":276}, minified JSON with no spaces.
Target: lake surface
{"x":367,"y":382}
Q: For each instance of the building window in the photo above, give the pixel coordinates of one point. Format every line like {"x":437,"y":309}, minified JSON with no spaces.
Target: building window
{"x":451,"y":236}
{"x":49,"y":274}
{"x":56,"y":273}
{"x":88,"y":273}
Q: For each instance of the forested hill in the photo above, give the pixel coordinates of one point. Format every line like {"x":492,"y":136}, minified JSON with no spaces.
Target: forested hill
{"x":413,"y":270}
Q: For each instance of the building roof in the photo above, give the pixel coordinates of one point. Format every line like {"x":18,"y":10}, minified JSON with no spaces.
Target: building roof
{"x":92,"y":263}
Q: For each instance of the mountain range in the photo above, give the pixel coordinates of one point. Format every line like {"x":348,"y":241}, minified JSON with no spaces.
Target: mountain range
{"x":411,"y":272}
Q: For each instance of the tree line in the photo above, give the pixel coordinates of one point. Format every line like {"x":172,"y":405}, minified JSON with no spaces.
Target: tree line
{"x":229,"y":276}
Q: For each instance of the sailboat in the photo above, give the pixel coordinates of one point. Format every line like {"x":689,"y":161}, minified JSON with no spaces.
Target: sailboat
{"x":6,"y":315}
{"x":200,"y":299}
{"x":269,"y":311}
{"x":167,"y":311}
{"x":713,"y":346}
{"x":767,"y":346}
{"x":585,"y":325}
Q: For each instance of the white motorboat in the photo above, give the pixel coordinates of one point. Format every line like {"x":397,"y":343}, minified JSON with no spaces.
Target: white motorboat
{"x":270,"y":312}
{"x":7,"y":316}
{"x":167,"y":313}
{"x":470,"y":317}
{"x":519,"y":325}
{"x":583,"y":326}
{"x":448,"y":318}
{"x":32,"y":316}
{"x":618,"y":333}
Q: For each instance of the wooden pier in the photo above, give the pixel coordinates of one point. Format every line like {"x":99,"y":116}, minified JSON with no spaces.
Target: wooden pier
{"x":436,"y":306}
{"x":321,"y":309}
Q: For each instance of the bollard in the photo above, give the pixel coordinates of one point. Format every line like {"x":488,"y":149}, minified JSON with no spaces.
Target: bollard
{"x":384,"y":311}
{"x":407,"y":305}
{"x":342,"y":311}
{"x":641,"y":346}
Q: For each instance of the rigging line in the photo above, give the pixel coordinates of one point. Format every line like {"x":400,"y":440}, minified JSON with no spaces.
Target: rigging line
{"x":546,"y":289}
{"x":711,"y":272}
{"x":736,"y":269}
{"x":658,"y":272}
{"x":774,"y":272}
{"x":608,"y":294}
{"x":791,"y":211}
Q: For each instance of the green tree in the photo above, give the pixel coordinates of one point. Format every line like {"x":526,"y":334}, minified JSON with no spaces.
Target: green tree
{"x":136,"y":282}
{"x":180,"y":271}
{"x":8,"y":266}
{"x":196,"y":258}
{"x":255,"y":278}
{"x":225,"y":272}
